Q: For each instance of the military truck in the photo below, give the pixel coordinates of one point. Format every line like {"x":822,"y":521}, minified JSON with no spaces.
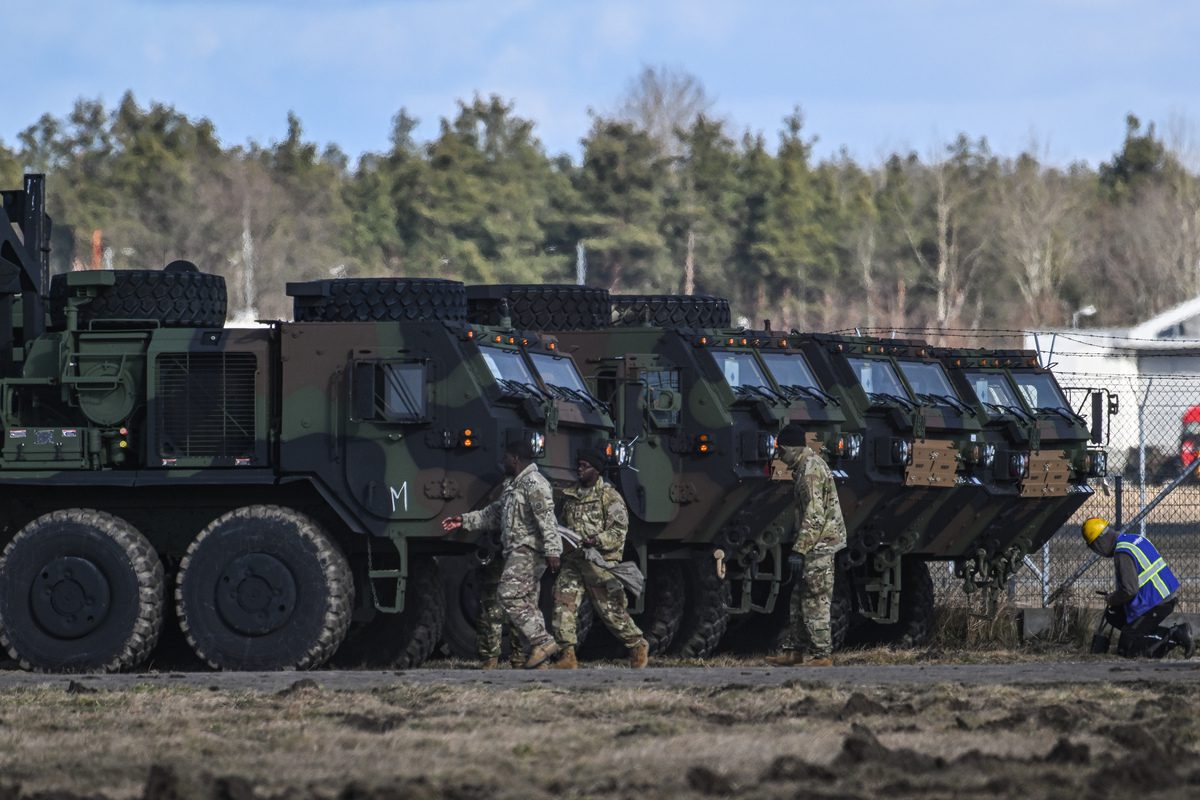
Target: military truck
{"x":275,"y":488}
{"x":697,"y":420}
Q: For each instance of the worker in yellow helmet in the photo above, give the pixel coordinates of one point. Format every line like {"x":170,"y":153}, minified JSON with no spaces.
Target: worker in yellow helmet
{"x":1144,"y":595}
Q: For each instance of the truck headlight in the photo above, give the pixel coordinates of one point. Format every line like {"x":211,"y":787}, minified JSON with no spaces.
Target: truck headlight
{"x":1018,"y":465}
{"x":770,"y":445}
{"x":1097,"y":464}
{"x":537,"y":442}
{"x":989,"y":455}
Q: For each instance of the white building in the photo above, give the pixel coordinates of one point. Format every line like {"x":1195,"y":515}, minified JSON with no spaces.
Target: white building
{"x":1153,"y":368}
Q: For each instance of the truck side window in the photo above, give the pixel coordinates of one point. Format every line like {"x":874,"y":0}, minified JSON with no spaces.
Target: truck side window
{"x":390,"y":391}
{"x":663,"y":396}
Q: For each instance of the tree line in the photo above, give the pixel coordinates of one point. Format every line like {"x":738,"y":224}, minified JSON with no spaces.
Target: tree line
{"x":667,"y":197}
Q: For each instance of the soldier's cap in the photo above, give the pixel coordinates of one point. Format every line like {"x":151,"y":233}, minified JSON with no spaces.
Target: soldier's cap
{"x":593,"y":457}
{"x":791,"y":436}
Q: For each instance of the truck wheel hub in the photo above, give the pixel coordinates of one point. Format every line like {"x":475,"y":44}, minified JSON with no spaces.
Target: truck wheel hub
{"x":256,"y":594}
{"x":70,"y":597}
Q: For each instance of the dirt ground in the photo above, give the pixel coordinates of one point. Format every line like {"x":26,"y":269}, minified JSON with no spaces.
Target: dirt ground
{"x":802,"y":736}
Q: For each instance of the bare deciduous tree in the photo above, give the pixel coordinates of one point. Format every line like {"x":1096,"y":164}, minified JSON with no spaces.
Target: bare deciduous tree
{"x":662,"y":100}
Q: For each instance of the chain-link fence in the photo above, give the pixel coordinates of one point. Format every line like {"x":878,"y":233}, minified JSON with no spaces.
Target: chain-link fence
{"x":1149,"y":441}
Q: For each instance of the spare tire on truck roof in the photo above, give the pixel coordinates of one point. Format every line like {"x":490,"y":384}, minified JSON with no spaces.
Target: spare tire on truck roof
{"x":671,"y":310}
{"x":540,"y":307}
{"x":378,"y":300}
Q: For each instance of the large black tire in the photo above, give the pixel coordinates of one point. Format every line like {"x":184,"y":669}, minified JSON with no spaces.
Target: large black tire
{"x":263,"y":588}
{"x":659,"y":620}
{"x":404,"y":640}
{"x":671,"y":310}
{"x":706,"y":613}
{"x":540,"y":307}
{"x":461,"y":582}
{"x":173,"y":297}
{"x":80,"y":591}
{"x":378,"y":300}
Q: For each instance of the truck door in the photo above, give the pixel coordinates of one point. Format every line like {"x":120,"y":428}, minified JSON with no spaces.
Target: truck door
{"x":395,"y":440}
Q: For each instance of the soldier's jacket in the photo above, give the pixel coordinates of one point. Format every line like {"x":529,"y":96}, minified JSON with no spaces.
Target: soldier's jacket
{"x":524,"y":515}
{"x":599,"y":515}
{"x":818,"y":515}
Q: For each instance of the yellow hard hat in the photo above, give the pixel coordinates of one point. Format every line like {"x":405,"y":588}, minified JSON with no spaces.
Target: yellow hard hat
{"x":1092,"y":528}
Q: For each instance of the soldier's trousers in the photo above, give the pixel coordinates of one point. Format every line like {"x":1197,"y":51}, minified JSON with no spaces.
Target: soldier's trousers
{"x":489,"y":630}
{"x":809,"y":628}
{"x":608,"y":599}
{"x":519,"y":587}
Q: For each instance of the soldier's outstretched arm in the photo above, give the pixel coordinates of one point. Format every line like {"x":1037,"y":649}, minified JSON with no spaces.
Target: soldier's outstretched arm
{"x":486,"y":520}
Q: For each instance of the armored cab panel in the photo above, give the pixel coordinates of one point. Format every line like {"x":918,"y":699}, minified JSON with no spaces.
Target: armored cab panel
{"x":1062,"y":456}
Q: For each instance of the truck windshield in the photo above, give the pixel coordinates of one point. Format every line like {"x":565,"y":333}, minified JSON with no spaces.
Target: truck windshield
{"x":560,"y":372}
{"x":1040,"y":391}
{"x":992,"y":388}
{"x":790,"y":369}
{"x":929,"y":380}
{"x":741,"y":369}
{"x":507,"y":366}
{"x":879,"y":378}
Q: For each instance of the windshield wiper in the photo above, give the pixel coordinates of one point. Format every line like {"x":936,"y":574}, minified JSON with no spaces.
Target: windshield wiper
{"x":512,"y":387}
{"x":904,"y":401}
{"x":817,"y":393}
{"x":1067,"y":414}
{"x":953,"y":402}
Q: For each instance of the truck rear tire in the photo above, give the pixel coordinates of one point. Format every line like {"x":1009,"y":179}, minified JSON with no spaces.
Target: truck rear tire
{"x":460,"y":577}
{"x":659,"y":621}
{"x":80,"y":591}
{"x":404,"y":640}
{"x":173,"y":297}
{"x":378,"y":300}
{"x":706,"y":613}
{"x":264,"y":588}
{"x":671,"y":310}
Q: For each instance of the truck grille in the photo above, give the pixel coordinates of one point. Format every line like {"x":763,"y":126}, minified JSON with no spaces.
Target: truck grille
{"x":206,"y":404}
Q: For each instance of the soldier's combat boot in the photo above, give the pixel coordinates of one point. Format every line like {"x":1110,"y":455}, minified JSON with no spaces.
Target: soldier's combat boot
{"x":639,"y":655}
{"x":567,"y":659}
{"x":540,"y":653}
{"x":788,"y":658}
{"x":489,"y":663}
{"x":825,"y":661}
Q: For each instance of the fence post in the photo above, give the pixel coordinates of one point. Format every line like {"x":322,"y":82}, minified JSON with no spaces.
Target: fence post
{"x":1046,"y":573}
{"x":1141,"y":422}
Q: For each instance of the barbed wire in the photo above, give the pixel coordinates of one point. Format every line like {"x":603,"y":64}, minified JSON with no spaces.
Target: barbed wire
{"x":1084,"y":338}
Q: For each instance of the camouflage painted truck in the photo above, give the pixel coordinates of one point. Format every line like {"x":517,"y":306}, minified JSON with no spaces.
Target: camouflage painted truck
{"x":923,"y":456}
{"x":697,"y":420}
{"x":1047,"y":454}
{"x":277,"y":489}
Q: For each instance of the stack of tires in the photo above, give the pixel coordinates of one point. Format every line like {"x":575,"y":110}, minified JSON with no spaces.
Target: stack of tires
{"x":378,"y":300}
{"x":671,"y":310}
{"x":540,"y":307}
{"x":177,"y":296}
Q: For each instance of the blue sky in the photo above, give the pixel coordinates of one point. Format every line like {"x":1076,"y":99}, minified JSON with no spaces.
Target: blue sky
{"x":872,"y":77}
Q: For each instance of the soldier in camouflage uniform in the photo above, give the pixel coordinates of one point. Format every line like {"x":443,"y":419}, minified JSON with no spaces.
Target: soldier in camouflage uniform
{"x":524,"y":515}
{"x":822,"y":535}
{"x":595,"y":511}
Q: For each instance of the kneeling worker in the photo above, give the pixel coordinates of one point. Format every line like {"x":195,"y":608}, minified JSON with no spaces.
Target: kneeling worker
{"x":1145,"y":593}
{"x":596,"y":511}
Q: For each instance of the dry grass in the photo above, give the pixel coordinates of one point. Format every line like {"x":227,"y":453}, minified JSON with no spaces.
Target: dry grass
{"x":436,"y":741}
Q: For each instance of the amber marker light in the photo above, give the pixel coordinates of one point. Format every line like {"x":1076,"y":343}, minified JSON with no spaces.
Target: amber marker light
{"x":703,"y":444}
